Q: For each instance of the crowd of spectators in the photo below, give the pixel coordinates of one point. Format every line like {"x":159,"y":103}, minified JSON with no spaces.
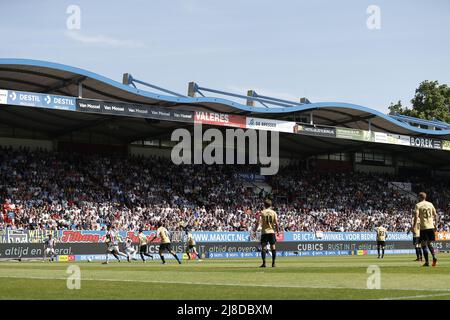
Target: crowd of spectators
{"x":352,"y":201}
{"x":50,"y":190}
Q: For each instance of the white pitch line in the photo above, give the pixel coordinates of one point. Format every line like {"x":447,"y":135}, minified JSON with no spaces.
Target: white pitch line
{"x":223,"y":284}
{"x":417,"y":297}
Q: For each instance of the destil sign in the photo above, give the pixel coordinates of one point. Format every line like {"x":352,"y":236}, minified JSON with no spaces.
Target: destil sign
{"x":32,"y":99}
{"x":219,"y":119}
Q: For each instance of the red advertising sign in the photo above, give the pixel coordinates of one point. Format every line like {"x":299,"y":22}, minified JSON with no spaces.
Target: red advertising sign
{"x":77,"y":236}
{"x":80,"y":236}
{"x":220,"y":119}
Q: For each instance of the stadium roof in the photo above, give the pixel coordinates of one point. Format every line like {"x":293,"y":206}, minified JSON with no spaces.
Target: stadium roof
{"x":52,"y":78}
{"x":48,"y":77}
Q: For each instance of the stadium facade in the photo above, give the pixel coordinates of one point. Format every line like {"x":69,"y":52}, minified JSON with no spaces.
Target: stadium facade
{"x":59,"y":107}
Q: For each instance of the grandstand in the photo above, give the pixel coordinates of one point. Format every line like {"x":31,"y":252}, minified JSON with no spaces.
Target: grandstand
{"x":89,"y":150}
{"x":80,"y":152}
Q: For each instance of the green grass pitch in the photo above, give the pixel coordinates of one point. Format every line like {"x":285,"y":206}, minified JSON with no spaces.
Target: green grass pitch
{"x":343,"y":277}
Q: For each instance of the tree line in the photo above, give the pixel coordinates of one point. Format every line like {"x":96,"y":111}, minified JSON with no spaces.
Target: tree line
{"x":431,"y":101}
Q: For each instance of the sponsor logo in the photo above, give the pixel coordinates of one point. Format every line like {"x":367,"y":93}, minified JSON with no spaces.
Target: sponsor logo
{"x":446,"y":145}
{"x":443,"y":236}
{"x":270,"y":125}
{"x":211,"y":117}
{"x":380,"y":137}
{"x":63,"y":258}
{"x":315,"y":130}
{"x":79,"y":236}
{"x":220,"y":119}
{"x":221,"y":236}
{"x":398,"y":139}
{"x":32,"y":99}
{"x":353,"y":134}
{"x":90,"y":106}
{"x":3,"y":96}
{"x":426,"y":143}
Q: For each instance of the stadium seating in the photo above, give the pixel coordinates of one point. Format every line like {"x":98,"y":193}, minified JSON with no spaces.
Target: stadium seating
{"x":42,"y":189}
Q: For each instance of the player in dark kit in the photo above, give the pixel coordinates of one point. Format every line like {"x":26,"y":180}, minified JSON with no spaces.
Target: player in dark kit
{"x":426,"y":214}
{"x":269,"y":228}
{"x":381,"y":240}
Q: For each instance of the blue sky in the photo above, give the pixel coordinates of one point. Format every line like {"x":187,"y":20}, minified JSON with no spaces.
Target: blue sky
{"x":322,"y":50}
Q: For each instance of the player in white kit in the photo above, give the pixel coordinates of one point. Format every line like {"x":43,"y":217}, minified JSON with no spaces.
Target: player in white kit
{"x":112,"y":243}
{"x":49,"y":248}
{"x":130,"y":250}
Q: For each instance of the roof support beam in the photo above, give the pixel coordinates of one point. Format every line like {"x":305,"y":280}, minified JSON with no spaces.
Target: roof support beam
{"x":61,"y":84}
{"x":355,"y":119}
{"x":35,"y":73}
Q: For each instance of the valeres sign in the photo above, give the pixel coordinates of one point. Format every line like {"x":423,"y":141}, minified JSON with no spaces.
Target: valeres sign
{"x":220,"y":119}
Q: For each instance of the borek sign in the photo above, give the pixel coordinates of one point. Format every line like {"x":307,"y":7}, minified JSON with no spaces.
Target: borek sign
{"x":426,"y":143}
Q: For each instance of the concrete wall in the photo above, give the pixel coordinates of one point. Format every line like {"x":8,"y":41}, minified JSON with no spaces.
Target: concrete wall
{"x":27,"y":143}
{"x":149,"y":151}
{"x":374,"y":169}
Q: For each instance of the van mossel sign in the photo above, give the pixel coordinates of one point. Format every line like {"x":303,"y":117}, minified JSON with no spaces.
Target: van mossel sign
{"x":43,"y":100}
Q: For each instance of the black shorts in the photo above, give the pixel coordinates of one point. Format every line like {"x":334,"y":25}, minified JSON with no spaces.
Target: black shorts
{"x":427,"y":235}
{"x":268,"y":238}
{"x":143,"y":249}
{"x":191,"y":246}
{"x":165,"y":247}
{"x":416,"y":240}
{"x":381,"y":243}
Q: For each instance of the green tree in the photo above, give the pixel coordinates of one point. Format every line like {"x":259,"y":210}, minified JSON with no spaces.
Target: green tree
{"x":431,"y":101}
{"x":397,"y":108}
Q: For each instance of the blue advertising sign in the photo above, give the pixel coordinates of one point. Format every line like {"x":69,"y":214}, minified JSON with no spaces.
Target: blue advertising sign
{"x":40,"y":100}
{"x":240,"y":236}
{"x":226,"y":255}
{"x":218,"y":236}
{"x":343,"y":236}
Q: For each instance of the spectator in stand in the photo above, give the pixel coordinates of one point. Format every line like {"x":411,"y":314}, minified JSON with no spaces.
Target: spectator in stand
{"x":50,"y":190}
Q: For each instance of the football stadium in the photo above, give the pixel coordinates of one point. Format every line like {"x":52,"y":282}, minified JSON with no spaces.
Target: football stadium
{"x":195,"y":159}
{"x":93,"y":187}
